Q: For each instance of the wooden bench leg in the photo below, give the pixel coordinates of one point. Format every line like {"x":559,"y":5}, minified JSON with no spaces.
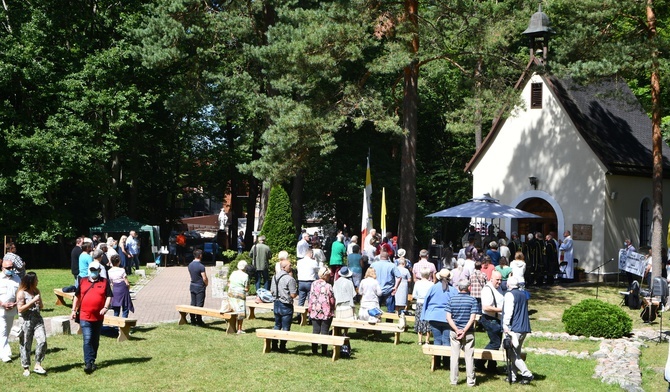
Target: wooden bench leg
{"x":60,"y":301}
{"x":336,"y":353}
{"x":182,"y":318}
{"x":267,"y":345}
{"x":124,"y":333}
{"x":433,"y":362}
{"x":252,"y":314}
{"x":232,"y":324}
{"x":396,"y":340}
{"x":303,"y":319}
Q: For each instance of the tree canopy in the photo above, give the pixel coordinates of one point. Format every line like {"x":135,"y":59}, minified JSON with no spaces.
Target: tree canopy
{"x":148,"y":108}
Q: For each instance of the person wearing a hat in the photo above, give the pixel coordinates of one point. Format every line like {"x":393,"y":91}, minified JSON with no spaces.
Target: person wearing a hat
{"x":238,"y":286}
{"x":516,"y":324}
{"x":435,"y":310}
{"x":92,"y":300}
{"x":321,"y":307}
{"x":344,"y":292}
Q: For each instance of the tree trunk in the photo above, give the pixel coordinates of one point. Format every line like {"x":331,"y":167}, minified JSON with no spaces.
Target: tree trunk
{"x":478,"y":105}
{"x":263,"y":208}
{"x":406,"y":221}
{"x":296,"y":200}
{"x":657,"y":142}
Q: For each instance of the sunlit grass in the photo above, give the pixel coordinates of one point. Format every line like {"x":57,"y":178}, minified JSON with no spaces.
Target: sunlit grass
{"x":168,"y":357}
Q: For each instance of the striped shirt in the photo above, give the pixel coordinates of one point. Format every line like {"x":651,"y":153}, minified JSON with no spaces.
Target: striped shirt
{"x":460,"y":307}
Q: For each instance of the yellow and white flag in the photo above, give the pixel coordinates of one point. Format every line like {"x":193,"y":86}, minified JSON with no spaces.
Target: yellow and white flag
{"x":366,"y":219}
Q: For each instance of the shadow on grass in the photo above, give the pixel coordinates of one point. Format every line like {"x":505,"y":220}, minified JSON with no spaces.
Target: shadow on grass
{"x":142,"y":329}
{"x":51,"y":350}
{"x":68,"y":367}
{"x":501,"y":374}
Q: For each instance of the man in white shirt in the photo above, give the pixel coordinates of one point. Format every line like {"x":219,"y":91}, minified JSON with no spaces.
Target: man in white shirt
{"x":366,"y":241}
{"x":308,"y":270}
{"x":302,"y":247}
{"x":9,"y":285}
{"x":492,"y":302}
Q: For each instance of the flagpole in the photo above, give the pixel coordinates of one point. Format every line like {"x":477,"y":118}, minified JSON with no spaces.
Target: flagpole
{"x":382,"y":217}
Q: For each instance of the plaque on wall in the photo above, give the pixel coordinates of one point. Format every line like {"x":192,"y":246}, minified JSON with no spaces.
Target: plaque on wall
{"x":582,"y":232}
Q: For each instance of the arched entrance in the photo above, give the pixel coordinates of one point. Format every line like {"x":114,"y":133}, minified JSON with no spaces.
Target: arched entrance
{"x":538,"y":206}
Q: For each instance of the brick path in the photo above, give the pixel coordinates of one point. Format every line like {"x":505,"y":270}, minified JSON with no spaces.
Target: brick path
{"x":155,"y":302}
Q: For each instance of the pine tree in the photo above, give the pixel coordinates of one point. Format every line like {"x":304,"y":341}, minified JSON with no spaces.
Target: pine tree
{"x":278,"y":227}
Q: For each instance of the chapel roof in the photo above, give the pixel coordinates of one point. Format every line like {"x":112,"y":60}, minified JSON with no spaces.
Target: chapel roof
{"x":609,"y":118}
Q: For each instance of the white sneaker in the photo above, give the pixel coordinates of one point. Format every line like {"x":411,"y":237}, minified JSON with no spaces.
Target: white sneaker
{"x":6,"y":359}
{"x":26,"y":372}
{"x":239,"y":332}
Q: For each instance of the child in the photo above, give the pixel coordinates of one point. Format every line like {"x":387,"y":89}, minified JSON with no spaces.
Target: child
{"x":29,"y":304}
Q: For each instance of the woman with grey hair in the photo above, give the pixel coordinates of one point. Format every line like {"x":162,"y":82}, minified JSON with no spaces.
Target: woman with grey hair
{"x":460,"y":272}
{"x":238,"y":287}
{"x":421,"y":288}
{"x":321,"y":307}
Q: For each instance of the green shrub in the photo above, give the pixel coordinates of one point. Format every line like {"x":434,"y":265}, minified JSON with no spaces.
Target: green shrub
{"x":278,"y":227}
{"x":593,"y":317}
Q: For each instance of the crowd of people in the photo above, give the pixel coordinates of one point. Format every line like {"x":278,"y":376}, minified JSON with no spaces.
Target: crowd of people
{"x":375,"y":272}
{"x":546,"y":257}
{"x":331,"y":278}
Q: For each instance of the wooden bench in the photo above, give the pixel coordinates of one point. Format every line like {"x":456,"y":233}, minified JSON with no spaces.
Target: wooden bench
{"x":394,"y":316}
{"x":252,"y":305}
{"x":273,"y":334}
{"x":340,"y":324}
{"x":124,"y":325}
{"x":184,"y":310}
{"x":60,"y":297}
{"x":445,"y":351}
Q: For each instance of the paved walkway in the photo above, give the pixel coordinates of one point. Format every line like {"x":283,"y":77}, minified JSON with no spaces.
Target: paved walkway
{"x":155,"y":302}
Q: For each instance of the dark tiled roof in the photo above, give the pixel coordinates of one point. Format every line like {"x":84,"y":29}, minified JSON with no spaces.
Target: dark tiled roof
{"x":611,"y":121}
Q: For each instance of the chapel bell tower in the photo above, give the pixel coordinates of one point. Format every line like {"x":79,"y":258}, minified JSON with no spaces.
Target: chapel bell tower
{"x":538,"y":31}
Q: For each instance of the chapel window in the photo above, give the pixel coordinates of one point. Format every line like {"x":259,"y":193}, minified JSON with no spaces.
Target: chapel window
{"x":645,"y":222}
{"x":536,"y":96}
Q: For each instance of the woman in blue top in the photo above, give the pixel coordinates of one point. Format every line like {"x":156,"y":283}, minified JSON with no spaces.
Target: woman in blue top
{"x":435,"y":310}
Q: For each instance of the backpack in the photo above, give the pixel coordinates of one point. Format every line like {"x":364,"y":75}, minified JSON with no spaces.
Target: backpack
{"x":265,"y":295}
{"x":633,"y":297}
{"x":345,"y":351}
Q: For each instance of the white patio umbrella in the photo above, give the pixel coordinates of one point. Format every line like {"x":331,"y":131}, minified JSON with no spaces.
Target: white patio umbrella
{"x":482,"y":207}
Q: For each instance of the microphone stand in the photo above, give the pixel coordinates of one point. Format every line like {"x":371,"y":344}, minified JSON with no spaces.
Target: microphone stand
{"x":598,"y":269}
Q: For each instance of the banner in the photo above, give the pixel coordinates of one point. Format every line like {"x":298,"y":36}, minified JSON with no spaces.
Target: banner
{"x":632,"y":262}
{"x":382,"y":217}
{"x":366,"y":216}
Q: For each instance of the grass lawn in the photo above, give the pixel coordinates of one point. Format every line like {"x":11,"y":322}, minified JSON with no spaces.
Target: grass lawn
{"x":169,"y":357}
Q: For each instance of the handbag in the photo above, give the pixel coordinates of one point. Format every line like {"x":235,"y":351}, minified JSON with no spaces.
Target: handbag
{"x":225,"y":306}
